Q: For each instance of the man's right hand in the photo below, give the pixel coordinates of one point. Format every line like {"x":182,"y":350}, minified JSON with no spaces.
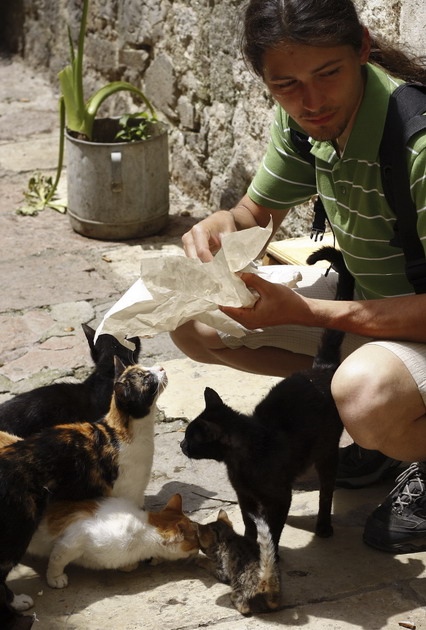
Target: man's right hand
{"x":204,"y":239}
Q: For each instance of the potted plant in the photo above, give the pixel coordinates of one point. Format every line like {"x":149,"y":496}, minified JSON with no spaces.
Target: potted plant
{"x":117,"y":168}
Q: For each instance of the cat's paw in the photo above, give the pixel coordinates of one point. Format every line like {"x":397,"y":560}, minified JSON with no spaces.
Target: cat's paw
{"x":57,"y":581}
{"x":22,"y":602}
{"x":129,"y":567}
{"x":241,"y":604}
{"x":155,"y":561}
{"x":204,"y":563}
{"x":324,"y":530}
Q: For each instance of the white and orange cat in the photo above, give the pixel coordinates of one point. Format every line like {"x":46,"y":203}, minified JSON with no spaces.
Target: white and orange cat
{"x":111,"y":533}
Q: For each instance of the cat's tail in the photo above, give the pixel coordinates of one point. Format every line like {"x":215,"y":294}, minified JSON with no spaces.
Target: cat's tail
{"x":267,"y":596}
{"x":345,"y":283}
{"x":328,"y":354}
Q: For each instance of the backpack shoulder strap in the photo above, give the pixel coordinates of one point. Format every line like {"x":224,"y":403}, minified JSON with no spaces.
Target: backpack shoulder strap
{"x":303,"y":147}
{"x":404,"y":119}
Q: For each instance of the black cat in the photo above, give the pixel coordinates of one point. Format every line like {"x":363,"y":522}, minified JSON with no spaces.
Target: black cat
{"x":46,"y":406}
{"x":294,"y":426}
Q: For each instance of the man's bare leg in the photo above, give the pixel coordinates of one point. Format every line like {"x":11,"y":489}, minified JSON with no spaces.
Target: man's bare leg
{"x":380,"y":405}
{"x":202,"y":343}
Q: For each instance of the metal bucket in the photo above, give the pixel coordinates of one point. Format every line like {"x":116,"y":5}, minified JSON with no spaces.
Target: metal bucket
{"x":118,"y":190}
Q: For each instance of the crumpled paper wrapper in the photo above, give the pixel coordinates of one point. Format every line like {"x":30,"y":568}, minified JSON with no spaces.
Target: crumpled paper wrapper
{"x":175,"y":289}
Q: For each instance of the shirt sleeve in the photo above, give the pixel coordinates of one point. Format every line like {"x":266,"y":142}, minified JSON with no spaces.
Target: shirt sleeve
{"x":284,"y":179}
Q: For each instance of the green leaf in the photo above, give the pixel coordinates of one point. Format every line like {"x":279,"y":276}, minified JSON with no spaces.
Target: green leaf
{"x":74,"y":102}
{"x":39,"y":195}
{"x":135,"y":127}
{"x":98,"y":98}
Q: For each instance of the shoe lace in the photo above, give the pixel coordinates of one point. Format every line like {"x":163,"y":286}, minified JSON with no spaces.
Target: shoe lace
{"x":411,"y":484}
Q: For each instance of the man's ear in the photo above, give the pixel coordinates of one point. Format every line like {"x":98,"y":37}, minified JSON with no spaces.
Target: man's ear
{"x":364,"y":53}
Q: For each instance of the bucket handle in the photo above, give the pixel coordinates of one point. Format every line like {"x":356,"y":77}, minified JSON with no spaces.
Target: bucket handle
{"x":116,"y":178}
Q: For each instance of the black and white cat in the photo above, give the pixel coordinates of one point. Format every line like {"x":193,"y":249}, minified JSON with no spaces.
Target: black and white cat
{"x":81,"y":460}
{"x":294,"y":426}
{"x":57,"y":403}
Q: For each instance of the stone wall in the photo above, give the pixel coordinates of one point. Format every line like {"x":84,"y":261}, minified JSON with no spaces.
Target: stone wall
{"x":184,"y":54}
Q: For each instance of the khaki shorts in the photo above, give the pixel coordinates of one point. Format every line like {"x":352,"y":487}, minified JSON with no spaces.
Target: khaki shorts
{"x":303,"y":340}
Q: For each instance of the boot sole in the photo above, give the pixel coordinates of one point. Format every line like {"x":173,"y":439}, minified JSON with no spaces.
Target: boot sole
{"x":414,"y":546}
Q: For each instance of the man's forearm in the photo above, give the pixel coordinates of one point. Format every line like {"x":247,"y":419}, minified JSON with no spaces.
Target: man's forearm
{"x":401,"y":318}
{"x":248,"y":214}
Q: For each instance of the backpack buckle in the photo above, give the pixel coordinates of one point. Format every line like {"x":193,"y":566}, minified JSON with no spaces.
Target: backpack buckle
{"x":317,"y":234}
{"x":318,"y":224}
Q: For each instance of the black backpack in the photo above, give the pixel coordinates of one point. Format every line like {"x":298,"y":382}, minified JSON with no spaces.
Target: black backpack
{"x":403,"y":119}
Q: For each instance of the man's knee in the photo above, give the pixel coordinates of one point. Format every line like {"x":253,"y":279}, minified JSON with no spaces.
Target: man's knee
{"x":197,"y":341}
{"x":361,"y":392}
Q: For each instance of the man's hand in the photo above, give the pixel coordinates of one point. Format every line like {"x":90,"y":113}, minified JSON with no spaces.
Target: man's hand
{"x":399,"y":318}
{"x":205,"y":238}
{"x":276,"y":305}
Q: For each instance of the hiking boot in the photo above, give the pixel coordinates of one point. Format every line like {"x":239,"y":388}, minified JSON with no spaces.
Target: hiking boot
{"x":360,"y":467}
{"x":398,"y":525}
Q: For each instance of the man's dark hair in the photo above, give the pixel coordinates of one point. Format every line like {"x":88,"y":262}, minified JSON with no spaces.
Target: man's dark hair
{"x":267,"y":23}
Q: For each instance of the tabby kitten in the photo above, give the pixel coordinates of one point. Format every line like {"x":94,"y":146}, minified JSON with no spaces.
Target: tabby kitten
{"x":250,"y":567}
{"x":79,"y":461}
{"x":294,"y":426}
{"x":111,"y":533}
{"x":54,"y":404}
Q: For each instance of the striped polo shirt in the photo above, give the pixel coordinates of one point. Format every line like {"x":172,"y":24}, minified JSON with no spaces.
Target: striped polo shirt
{"x":351,"y":189}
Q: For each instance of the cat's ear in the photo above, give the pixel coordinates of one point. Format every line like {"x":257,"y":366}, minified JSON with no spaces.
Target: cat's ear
{"x":222,"y":516}
{"x":174,"y":503}
{"x":119,"y":367}
{"x":135,"y":353}
{"x":90,"y":335}
{"x":120,"y":390}
{"x":212,"y":398}
{"x":206,"y":536}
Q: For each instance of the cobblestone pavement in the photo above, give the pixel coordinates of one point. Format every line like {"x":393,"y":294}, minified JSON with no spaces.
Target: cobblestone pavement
{"x":52,"y":280}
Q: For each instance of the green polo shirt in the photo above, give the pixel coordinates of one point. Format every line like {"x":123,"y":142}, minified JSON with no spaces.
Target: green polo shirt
{"x":350,"y":188}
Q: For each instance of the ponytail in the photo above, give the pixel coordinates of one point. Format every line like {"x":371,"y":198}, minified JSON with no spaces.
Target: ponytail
{"x":398,"y":63}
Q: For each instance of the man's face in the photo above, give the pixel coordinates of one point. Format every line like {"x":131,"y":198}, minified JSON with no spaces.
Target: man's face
{"x":320,"y":88}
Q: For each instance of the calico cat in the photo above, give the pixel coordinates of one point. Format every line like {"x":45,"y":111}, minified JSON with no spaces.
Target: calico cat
{"x":53,"y":404}
{"x":294,"y":426}
{"x":111,"y":533}
{"x":79,"y":461}
{"x":250,"y":567}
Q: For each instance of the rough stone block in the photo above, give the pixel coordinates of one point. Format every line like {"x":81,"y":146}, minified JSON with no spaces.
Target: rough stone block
{"x":133,"y":59}
{"x":186,"y":113}
{"x":160,"y":84}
